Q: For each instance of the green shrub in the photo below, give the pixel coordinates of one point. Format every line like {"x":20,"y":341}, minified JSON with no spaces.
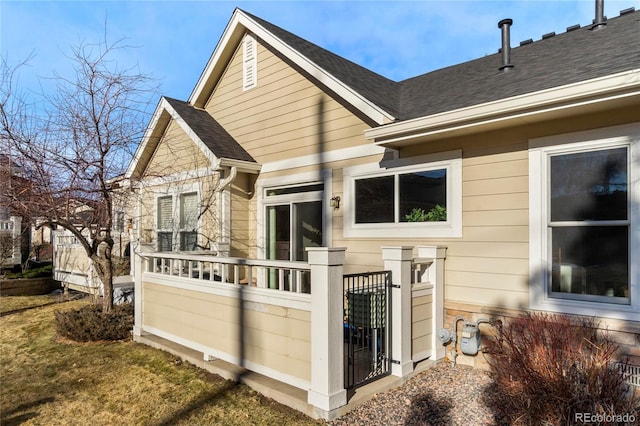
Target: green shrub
{"x":548,"y":367}
{"x":45,"y":271}
{"x":89,"y":323}
{"x":437,"y":214}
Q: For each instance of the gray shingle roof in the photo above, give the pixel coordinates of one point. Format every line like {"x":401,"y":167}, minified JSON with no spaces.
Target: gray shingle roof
{"x":212,"y":134}
{"x":574,"y":56}
{"x":380,"y":90}
{"x":571,"y":57}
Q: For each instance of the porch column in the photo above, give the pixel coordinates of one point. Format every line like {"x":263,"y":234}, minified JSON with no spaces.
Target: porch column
{"x":397,"y":259}
{"x":136,"y":260}
{"x":327,"y":390}
{"x":435,"y":275}
{"x":137,"y":249}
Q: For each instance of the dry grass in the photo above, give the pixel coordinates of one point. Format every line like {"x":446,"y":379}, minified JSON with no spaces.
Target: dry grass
{"x":45,"y":380}
{"x":13,"y":303}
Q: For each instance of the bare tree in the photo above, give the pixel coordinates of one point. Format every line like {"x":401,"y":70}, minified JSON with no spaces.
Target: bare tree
{"x":73,"y":145}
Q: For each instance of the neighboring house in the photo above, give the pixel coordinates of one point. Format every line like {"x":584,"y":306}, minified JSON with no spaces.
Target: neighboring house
{"x":72,"y":266}
{"x":523,"y":164}
{"x":13,"y":231}
{"x":10,"y":238}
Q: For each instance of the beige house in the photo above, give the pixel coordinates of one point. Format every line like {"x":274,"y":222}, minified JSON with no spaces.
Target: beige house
{"x":505,"y":183}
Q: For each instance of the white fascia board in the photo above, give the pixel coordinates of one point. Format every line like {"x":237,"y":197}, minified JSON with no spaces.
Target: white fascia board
{"x":601,"y":89}
{"x":364,"y":105}
{"x":230,"y":32}
{"x":155,"y":118}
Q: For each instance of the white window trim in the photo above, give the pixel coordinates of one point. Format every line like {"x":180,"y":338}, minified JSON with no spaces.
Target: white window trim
{"x":451,"y":228}
{"x":325,"y":177}
{"x":539,"y":151}
{"x":174,"y":192}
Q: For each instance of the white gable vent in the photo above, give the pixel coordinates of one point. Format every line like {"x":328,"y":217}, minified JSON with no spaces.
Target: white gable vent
{"x":249,"y":62}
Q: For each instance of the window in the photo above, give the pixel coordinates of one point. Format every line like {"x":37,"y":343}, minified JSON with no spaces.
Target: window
{"x":422,"y":200}
{"x":177,"y":227}
{"x":589,"y":224}
{"x":294,"y":221}
{"x":422,"y":197}
{"x":249,"y":62}
{"x":165,"y":223}
{"x":582,"y":223}
{"x":118,"y":221}
{"x":188,"y":221}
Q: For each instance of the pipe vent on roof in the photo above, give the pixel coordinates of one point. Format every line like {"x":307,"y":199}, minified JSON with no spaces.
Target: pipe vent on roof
{"x":600,"y":21}
{"x":505,"y":25}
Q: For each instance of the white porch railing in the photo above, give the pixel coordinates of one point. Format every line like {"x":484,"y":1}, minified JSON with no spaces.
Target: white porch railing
{"x":273,"y":274}
{"x":254,"y":313}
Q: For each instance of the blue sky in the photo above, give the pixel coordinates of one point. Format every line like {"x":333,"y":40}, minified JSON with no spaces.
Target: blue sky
{"x":173,"y":40}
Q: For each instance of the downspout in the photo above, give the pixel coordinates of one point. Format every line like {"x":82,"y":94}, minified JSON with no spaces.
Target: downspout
{"x":223,"y":236}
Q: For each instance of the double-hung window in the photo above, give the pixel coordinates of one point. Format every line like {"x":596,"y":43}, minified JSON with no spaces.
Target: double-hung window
{"x":188,"y":221}
{"x":584,"y":219}
{"x":418,"y":200}
{"x":165,"y":223}
{"x":177,"y":221}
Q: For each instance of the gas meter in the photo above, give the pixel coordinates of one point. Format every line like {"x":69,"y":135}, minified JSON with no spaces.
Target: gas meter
{"x":470,"y":339}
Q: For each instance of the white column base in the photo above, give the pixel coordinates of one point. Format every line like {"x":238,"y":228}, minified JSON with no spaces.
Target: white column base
{"x":327,"y":402}
{"x":402,"y":370}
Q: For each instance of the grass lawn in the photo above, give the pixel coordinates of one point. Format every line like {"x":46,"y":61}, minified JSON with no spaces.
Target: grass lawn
{"x":44,"y":380}
{"x":14,"y":303}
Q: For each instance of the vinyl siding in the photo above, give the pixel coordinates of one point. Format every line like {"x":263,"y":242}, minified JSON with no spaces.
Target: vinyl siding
{"x":275,"y":337}
{"x":489,"y":264}
{"x":285,"y":116}
{"x":175,"y":153}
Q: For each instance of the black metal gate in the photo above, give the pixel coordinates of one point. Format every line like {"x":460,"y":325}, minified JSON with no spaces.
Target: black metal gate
{"x":367,"y":327}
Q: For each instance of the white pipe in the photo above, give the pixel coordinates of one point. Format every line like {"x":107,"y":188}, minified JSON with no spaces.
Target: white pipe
{"x":222,"y":185}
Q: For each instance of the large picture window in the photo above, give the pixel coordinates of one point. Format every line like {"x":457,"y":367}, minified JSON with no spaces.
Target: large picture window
{"x":412,"y":201}
{"x":583,"y":199}
{"x":421,"y":197}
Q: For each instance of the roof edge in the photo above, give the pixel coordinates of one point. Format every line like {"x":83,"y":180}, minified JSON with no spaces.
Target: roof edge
{"x":241,"y":21}
{"x":619,"y":85}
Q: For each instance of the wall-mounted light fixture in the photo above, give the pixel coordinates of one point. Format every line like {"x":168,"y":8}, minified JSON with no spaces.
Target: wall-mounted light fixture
{"x":335,"y":202}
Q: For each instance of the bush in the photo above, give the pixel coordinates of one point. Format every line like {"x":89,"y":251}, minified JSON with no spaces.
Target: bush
{"x":44,"y":271}
{"x":89,"y":323}
{"x":546,"y":368}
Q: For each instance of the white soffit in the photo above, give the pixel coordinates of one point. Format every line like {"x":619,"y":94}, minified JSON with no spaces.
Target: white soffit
{"x":231,"y":36}
{"x":609,"y":88}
